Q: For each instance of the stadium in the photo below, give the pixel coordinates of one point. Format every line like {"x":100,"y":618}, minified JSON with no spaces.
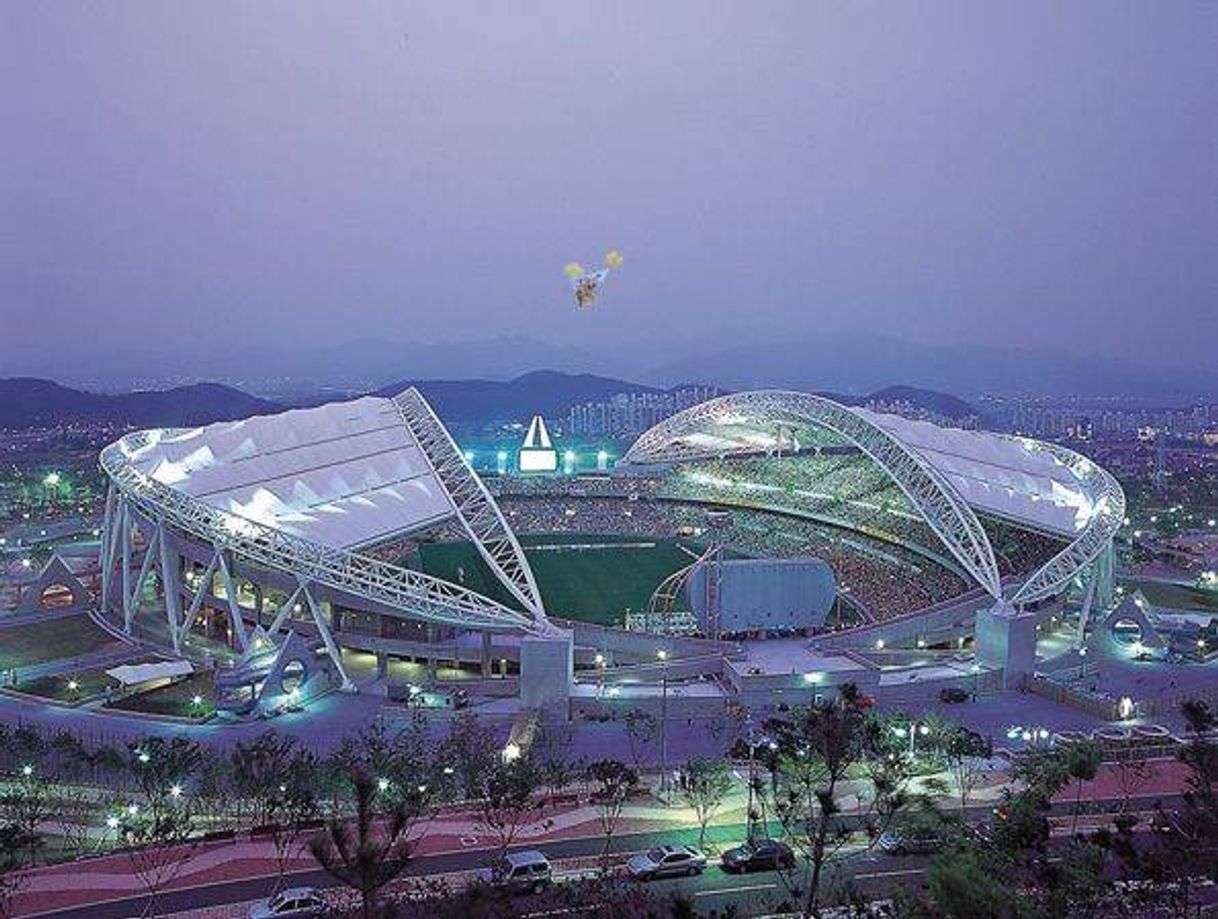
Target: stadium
{"x":757,"y":545}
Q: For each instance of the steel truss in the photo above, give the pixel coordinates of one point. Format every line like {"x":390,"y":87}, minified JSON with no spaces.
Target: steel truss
{"x":1107,"y":517}
{"x":410,"y":594}
{"x":940,"y":505}
{"x":476,"y":509}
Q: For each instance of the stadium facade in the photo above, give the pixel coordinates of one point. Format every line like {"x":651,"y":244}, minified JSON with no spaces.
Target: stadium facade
{"x":282,"y":533}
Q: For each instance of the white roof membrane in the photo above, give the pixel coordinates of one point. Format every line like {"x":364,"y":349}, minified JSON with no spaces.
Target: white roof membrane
{"x":344,"y":475}
{"x":996,"y":473}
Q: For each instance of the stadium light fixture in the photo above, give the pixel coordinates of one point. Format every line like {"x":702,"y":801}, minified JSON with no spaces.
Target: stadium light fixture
{"x":112,"y":822}
{"x":511,"y":753}
{"x":382,"y":785}
{"x":51,"y":480}
{"x":812,"y":678}
{"x":175,"y":791}
{"x":27,"y":770}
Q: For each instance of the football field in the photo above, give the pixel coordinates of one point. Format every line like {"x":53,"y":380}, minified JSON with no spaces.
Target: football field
{"x":594,"y":578}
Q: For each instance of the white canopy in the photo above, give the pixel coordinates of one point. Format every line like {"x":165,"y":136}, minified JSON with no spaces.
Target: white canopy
{"x":134,"y":674}
{"x":344,"y":475}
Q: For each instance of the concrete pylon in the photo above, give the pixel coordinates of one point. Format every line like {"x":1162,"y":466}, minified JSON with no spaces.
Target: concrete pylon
{"x":1005,"y":639}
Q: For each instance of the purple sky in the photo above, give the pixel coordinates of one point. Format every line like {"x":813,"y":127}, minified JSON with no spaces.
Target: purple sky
{"x":1039,"y":173}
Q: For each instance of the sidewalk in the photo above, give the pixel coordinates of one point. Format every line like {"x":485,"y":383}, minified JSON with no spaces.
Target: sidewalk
{"x":109,"y":877}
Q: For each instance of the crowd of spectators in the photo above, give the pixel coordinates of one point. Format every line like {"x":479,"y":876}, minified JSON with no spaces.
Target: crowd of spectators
{"x":837,"y":506}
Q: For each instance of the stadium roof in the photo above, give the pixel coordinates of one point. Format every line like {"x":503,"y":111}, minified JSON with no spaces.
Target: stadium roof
{"x":344,"y":475}
{"x":948,"y":474}
{"x":306,"y":490}
{"x":1007,"y":476}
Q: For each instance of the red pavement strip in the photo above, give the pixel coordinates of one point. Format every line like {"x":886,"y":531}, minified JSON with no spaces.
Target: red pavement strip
{"x":1167,"y":778}
{"x":241,"y":866}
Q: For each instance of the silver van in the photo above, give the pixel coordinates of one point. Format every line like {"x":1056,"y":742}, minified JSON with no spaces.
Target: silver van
{"x":521,"y":872}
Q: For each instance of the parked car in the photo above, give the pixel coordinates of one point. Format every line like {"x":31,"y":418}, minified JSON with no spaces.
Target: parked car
{"x":666,"y":862}
{"x":293,"y":903}
{"x":953,"y":694}
{"x":910,"y":842}
{"x":521,"y":872}
{"x":758,"y":855}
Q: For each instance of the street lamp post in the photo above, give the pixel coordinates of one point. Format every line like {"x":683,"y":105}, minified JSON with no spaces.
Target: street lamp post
{"x":663,"y":656}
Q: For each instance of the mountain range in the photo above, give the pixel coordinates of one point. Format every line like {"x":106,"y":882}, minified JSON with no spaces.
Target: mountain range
{"x":856,"y":362}
{"x":26,"y":402}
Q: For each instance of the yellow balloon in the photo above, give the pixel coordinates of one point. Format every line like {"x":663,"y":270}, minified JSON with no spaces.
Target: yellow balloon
{"x":573,"y":269}
{"x":613,"y":259}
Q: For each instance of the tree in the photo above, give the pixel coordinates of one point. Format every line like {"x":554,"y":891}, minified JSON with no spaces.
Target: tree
{"x":1132,"y":772}
{"x":369,"y":854}
{"x":965,"y":753}
{"x":703,"y":785}
{"x":1083,"y":764}
{"x":279,"y":778}
{"x":817,"y":749}
{"x":258,"y":767}
{"x":15,"y":844}
{"x":641,"y":729}
{"x":25,"y":803}
{"x":507,"y":799}
{"x":159,"y":828}
{"x":612,"y":782}
{"x":470,"y":751}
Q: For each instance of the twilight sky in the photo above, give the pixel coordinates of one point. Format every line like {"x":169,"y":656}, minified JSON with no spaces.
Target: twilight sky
{"x":192,"y":176}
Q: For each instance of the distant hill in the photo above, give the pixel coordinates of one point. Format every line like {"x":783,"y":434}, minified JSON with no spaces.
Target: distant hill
{"x":545,"y":392}
{"x":939,"y":402}
{"x":28,"y":402}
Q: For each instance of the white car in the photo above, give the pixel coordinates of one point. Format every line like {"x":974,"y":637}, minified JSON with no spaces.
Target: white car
{"x":293,"y":903}
{"x":667,"y":862}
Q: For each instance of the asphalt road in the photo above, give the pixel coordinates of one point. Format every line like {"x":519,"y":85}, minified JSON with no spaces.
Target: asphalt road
{"x":872,"y":872}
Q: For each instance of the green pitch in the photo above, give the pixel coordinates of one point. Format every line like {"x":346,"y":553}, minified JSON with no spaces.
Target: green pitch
{"x":592,"y":578}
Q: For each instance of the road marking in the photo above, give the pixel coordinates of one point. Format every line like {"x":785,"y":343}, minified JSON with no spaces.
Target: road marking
{"x":892,"y":874}
{"x":721,"y":891}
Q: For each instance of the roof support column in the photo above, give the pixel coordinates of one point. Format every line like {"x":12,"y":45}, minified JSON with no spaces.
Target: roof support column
{"x":331,"y":648}
{"x":234,"y":606}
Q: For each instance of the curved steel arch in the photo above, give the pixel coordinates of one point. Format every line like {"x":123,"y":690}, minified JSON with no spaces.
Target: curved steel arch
{"x":941,"y":506}
{"x":1107,"y":516}
{"x":477,"y":511}
{"x":417,"y":595}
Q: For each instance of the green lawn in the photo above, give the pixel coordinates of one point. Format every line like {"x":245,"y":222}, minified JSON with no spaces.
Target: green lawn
{"x":1175,"y":595}
{"x":89,"y":683}
{"x":594,"y":584}
{"x":38,"y":642}
{"x":175,"y":699}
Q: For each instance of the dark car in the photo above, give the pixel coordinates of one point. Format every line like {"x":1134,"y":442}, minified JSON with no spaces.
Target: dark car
{"x":953,"y":694}
{"x":758,"y":855}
